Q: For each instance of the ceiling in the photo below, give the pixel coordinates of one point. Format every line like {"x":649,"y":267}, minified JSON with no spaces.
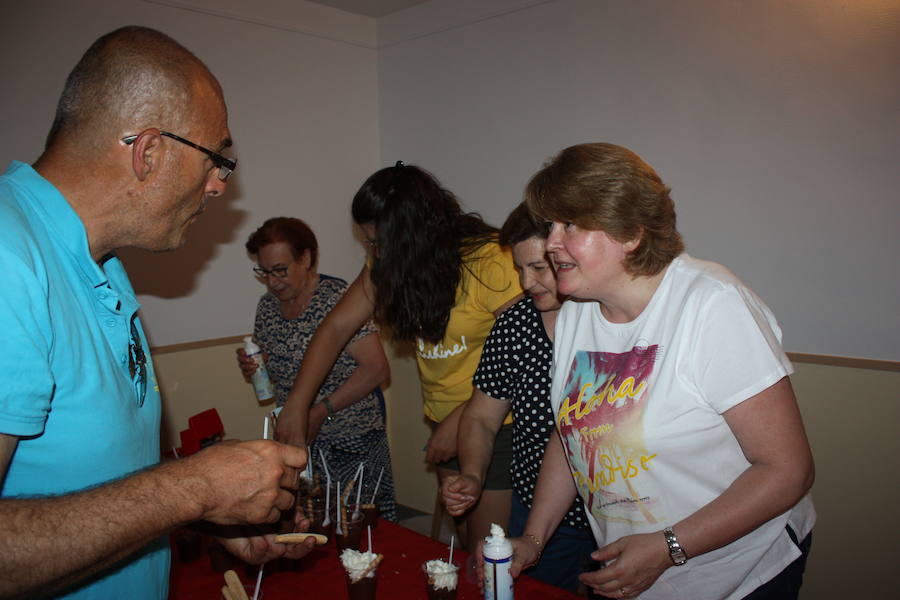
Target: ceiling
{"x":370,"y":8}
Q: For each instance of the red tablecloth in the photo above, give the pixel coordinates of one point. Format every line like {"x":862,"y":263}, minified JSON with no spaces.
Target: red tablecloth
{"x":320,"y":575}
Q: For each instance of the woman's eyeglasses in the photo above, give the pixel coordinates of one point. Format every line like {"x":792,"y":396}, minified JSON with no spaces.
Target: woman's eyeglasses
{"x":278,"y":272}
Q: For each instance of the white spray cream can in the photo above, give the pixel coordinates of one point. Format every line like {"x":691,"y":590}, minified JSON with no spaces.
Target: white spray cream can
{"x":498,"y":583}
{"x":262,"y":385}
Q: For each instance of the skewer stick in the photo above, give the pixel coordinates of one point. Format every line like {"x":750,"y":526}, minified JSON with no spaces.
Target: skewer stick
{"x":327,"y":520}
{"x":357,"y":510}
{"x":235,"y":586}
{"x":372,"y":566}
{"x":337,"y":511}
{"x":325,"y":466}
{"x":377,"y":483}
{"x":259,"y":581}
{"x":309,"y":470}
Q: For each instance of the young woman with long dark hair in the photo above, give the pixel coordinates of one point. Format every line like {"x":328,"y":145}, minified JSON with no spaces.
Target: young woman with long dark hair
{"x":436,"y":277}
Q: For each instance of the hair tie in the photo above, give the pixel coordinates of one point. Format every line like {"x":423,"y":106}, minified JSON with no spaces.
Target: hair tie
{"x":399,"y":164}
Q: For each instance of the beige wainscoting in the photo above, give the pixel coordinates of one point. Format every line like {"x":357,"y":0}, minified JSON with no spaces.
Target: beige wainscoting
{"x":196,"y":376}
{"x":852,"y":418}
{"x":852,"y":415}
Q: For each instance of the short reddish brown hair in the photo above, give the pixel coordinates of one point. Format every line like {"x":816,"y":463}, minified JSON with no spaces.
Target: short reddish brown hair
{"x":610,"y":188}
{"x":294,"y":232}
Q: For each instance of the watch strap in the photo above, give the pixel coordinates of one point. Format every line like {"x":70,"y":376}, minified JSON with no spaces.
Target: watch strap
{"x":676,"y":552}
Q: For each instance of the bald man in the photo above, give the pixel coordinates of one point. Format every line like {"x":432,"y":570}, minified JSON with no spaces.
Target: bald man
{"x":133,"y":154}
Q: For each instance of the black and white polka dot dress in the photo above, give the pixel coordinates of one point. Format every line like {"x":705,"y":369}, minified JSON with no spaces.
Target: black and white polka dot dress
{"x":515,"y":366}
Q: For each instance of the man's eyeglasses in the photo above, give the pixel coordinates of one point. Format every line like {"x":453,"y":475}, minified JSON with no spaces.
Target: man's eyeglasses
{"x":279,"y":272}
{"x":137,"y":364}
{"x":225,"y":165}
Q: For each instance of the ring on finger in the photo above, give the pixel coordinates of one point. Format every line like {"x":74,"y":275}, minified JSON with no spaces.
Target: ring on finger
{"x":623,"y":592}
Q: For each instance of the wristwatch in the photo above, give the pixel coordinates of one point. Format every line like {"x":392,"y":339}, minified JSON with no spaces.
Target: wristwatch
{"x":330,"y":416}
{"x":676,"y":552}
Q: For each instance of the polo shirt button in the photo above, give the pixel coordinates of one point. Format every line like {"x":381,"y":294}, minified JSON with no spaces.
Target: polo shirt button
{"x":101,"y":296}
{"x":110,"y":322}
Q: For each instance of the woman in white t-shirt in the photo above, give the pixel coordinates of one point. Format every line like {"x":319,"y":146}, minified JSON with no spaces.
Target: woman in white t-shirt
{"x":676,"y":419}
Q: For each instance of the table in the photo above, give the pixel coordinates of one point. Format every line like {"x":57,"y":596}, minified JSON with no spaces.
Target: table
{"x":320,"y":575}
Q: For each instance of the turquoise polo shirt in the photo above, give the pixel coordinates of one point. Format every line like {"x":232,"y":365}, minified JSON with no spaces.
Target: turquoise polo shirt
{"x":66,"y":384}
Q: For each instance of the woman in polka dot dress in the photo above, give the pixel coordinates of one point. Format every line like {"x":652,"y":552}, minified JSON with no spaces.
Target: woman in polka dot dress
{"x":514,"y":374}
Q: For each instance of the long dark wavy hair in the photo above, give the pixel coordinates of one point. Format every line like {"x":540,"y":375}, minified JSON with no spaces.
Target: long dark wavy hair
{"x":422,"y":239}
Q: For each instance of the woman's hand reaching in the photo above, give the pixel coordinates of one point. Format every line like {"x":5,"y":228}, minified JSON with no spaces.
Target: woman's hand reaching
{"x":441,"y":445}
{"x":459,"y":493}
{"x":292,"y":425}
{"x":525,"y":554}
{"x":634,"y":563}
{"x":247,"y":365}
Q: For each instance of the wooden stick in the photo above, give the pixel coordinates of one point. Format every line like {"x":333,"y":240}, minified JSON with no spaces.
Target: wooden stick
{"x":235,"y":585}
{"x":296,"y":538}
{"x":372,"y":566}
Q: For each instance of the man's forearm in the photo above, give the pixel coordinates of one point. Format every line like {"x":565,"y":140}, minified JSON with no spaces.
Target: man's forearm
{"x":46,"y":543}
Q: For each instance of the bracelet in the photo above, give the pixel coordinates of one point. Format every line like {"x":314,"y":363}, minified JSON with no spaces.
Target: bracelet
{"x":329,"y":409}
{"x":676,"y":552}
{"x":537,"y":542}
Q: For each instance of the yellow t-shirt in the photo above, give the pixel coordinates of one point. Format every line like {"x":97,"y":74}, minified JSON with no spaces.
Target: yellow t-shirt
{"x":446,"y":368}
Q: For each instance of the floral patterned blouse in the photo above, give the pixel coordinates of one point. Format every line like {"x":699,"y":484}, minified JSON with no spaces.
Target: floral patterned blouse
{"x":285,"y":342}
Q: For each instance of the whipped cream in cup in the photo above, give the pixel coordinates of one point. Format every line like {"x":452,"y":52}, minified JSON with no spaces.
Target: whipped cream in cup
{"x":358,"y":564}
{"x":441,"y":574}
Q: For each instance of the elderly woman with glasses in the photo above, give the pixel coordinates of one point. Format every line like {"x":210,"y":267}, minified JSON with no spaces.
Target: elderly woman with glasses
{"x":347,"y":421}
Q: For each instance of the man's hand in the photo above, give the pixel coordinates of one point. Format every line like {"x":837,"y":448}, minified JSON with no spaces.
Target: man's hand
{"x":257,"y":549}
{"x":244,"y":482}
{"x":459,"y":493}
{"x":256,"y":544}
{"x":441,"y":445}
{"x":291,"y":427}
{"x":247,"y":365}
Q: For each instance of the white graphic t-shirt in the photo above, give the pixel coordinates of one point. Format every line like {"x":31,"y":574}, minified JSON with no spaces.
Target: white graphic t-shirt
{"x":639,"y":407}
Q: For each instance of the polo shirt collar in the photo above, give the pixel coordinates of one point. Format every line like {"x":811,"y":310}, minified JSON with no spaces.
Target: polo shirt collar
{"x":62,"y":220}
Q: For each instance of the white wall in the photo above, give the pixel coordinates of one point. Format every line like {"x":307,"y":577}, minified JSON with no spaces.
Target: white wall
{"x":300,"y":84}
{"x":776,"y":124}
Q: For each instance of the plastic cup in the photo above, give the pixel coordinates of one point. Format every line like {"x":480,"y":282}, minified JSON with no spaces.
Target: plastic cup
{"x":315,"y":512}
{"x":370,"y":515}
{"x":364,"y":589}
{"x":440,"y":593}
{"x":351,"y":532}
